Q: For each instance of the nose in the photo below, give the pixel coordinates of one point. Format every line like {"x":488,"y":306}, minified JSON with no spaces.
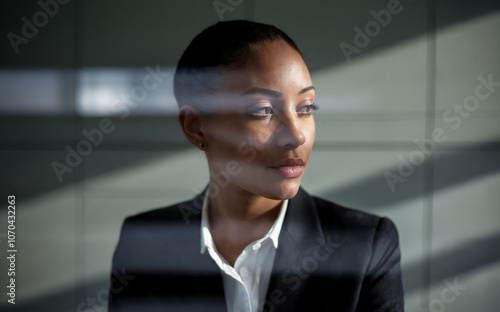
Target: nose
{"x":290,"y":132}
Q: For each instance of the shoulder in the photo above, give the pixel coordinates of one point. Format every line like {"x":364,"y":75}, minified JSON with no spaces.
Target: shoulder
{"x":183,"y":212}
{"x":147,"y":236}
{"x":362,"y":233}
{"x":173,"y":222}
{"x":368,"y":246}
{"x":330,"y":212}
{"x":354,"y":224}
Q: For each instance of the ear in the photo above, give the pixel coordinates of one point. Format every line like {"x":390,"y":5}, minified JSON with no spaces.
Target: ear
{"x":190,"y":122}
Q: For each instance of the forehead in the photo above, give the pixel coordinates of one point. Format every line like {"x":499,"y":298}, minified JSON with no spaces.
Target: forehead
{"x":275,"y":60}
{"x":270,"y":64}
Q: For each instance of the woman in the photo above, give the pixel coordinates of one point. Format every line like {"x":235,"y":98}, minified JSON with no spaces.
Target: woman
{"x":253,"y":240}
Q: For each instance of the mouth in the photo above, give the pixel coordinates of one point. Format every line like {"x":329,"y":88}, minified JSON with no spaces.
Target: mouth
{"x":289,"y":168}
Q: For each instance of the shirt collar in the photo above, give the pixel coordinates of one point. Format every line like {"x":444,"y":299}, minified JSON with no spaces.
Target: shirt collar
{"x":206,"y":236}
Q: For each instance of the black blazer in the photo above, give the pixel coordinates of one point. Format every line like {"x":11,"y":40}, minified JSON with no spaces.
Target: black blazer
{"x":329,"y":258}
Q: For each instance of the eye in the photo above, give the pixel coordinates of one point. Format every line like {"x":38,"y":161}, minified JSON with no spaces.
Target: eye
{"x":308,"y":109}
{"x":263,"y":112}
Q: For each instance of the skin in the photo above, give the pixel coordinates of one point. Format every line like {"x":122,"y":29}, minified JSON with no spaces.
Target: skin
{"x":261,"y":115}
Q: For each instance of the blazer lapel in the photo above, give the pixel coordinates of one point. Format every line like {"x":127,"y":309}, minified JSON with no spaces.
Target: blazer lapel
{"x":299,"y":235}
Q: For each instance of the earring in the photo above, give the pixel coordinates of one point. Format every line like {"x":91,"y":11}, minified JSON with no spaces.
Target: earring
{"x":200,"y":145}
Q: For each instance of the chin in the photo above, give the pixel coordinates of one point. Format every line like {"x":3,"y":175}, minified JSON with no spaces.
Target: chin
{"x":285,"y":190}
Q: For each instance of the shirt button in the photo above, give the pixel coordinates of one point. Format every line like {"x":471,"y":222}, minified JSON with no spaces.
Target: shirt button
{"x":256,"y":246}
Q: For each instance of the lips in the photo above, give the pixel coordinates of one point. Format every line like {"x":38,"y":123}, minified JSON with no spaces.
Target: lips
{"x":289,"y":168}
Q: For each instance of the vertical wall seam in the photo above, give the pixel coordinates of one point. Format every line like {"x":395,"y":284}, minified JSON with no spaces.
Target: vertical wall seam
{"x":429,"y":170}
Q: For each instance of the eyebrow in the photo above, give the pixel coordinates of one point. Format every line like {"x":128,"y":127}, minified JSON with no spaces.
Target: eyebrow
{"x":307,"y":89}
{"x":273,"y":93}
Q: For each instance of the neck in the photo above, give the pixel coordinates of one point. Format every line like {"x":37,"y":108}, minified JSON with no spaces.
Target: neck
{"x":236,"y":204}
{"x":241,"y":217}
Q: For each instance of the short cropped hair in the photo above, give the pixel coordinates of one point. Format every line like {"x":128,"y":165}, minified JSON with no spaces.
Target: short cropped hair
{"x":222,"y":46}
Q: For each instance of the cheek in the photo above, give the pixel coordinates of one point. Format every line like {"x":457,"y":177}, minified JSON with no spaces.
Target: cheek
{"x":257,"y":140}
{"x":309,"y":133}
{"x":312,"y":134}
{"x":221,"y":133}
{"x":234,"y":140}
{"x":254,"y":148}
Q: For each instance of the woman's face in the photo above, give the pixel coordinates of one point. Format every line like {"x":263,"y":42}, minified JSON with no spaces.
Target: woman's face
{"x":260,"y":133}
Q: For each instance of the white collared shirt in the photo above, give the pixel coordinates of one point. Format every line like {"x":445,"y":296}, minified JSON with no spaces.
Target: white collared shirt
{"x":245,"y":285}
